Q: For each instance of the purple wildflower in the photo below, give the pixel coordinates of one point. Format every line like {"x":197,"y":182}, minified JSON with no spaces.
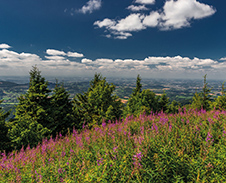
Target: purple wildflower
{"x":63,"y":154}
{"x":99,"y":162}
{"x":103,"y":124}
{"x":224,"y":133}
{"x":209,"y":137}
{"x":114,"y":149}
{"x":60,"y":170}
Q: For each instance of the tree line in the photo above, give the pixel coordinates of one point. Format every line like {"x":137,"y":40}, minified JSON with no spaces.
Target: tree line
{"x":42,"y":113}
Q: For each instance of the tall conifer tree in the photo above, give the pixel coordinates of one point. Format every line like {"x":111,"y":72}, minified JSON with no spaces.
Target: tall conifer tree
{"x":202,"y":99}
{"x":4,"y":140}
{"x":97,"y":103}
{"x":61,"y":110}
{"x":32,"y":117}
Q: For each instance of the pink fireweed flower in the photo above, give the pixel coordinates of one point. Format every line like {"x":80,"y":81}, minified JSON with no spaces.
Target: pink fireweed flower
{"x":103,"y":124}
{"x":79,"y":141}
{"x":63,"y":154}
{"x":138,"y":155}
{"x":83,"y":125}
{"x":75,"y":133}
{"x":60,"y":135}
{"x":136,"y":160}
{"x":142,"y":130}
{"x":209,"y":138}
{"x":224,"y":133}
{"x":154,"y":127}
{"x":210,"y":121}
{"x":170,"y":127}
{"x":99,"y":162}
{"x":197,"y":128}
{"x":60,"y":170}
{"x":114,"y":149}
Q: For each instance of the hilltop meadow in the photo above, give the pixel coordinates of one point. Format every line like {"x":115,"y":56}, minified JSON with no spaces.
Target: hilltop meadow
{"x":96,"y":138}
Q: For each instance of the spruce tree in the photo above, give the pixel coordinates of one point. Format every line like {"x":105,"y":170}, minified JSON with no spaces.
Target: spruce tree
{"x":97,"y":103}
{"x":61,"y":110}
{"x":220,"y":101}
{"x":163,"y":102}
{"x":138,"y":88}
{"x":203,"y":99}
{"x":146,"y":101}
{"x":32,"y":117}
{"x":141,"y":101}
{"x":4,"y":140}
{"x":36,"y":101}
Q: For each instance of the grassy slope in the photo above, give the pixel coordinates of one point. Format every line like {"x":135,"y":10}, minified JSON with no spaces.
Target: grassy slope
{"x":185,"y":147}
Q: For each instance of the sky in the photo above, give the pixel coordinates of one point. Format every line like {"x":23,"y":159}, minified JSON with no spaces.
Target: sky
{"x":118,"y":38}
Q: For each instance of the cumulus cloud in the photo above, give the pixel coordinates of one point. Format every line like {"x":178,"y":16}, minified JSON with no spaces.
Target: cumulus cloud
{"x":4,"y":46}
{"x":152,"y":20}
{"x":121,"y":28}
{"x":13,"y":63}
{"x":137,"y":8}
{"x":54,"y":57}
{"x":55,"y":52}
{"x":105,"y":23}
{"x":145,"y":1}
{"x":131,"y":23}
{"x":74,"y":54}
{"x":85,"y":61}
{"x":175,"y":14}
{"x":90,"y":6}
{"x":223,"y":59}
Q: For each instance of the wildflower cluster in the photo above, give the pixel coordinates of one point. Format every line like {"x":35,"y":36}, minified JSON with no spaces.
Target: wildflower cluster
{"x":186,"y":147}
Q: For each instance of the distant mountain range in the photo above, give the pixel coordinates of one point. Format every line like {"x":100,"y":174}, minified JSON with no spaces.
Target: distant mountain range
{"x":7,"y":84}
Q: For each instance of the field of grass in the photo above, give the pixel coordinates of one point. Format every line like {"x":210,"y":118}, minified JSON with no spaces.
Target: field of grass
{"x":186,"y":147}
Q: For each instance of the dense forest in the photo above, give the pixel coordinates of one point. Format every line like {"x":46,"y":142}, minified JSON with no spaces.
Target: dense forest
{"x":44,"y":113}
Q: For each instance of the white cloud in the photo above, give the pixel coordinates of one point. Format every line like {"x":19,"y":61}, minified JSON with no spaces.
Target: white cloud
{"x":133,"y":22}
{"x":105,"y":23}
{"x":177,"y":14}
{"x":145,"y":1}
{"x":152,"y":20}
{"x":121,"y":28}
{"x":90,"y":6}
{"x":137,"y":8}
{"x":13,"y":63}
{"x":85,"y":61}
{"x":223,"y":59}
{"x":74,"y":54}
{"x":4,"y":46}
{"x":103,"y":61}
{"x":54,"y":57}
{"x":55,"y":52}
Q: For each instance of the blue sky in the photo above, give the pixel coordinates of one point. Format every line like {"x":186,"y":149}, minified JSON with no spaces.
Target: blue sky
{"x":154,"y":38}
